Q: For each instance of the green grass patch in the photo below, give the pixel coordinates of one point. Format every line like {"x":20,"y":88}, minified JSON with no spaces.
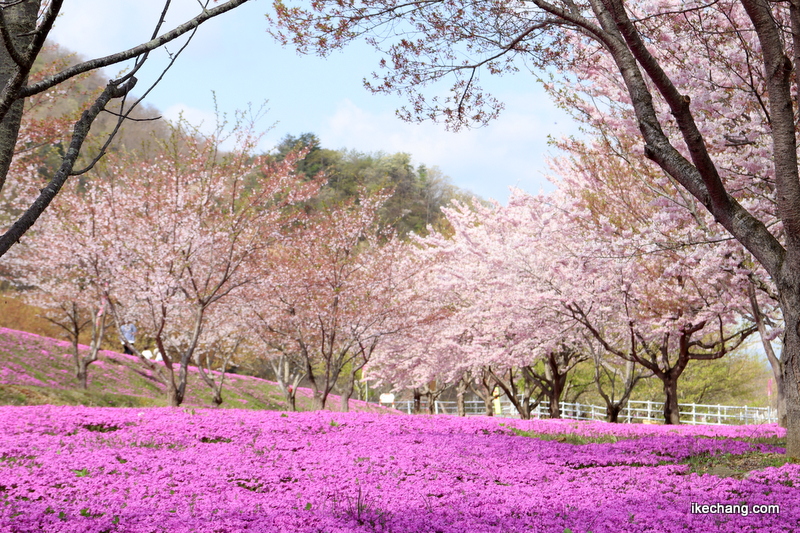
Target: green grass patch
{"x":100,"y":428}
{"x":736,"y":466}
{"x":35,"y":395}
{"x":570,"y":438}
{"x":215,"y":439}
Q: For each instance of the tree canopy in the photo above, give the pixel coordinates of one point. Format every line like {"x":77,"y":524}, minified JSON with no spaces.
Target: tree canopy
{"x":707,"y":89}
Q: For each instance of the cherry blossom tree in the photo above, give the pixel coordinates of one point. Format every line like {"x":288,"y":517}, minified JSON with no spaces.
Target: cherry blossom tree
{"x":432,"y":352}
{"x":491,"y":314}
{"x":709,"y":88}
{"x":668,"y":272}
{"x":226,"y":336}
{"x":172,"y":237}
{"x":427,"y":355}
{"x":283,"y":356}
{"x":25,"y":26}
{"x":61,"y":283}
{"x":532,"y":346}
{"x":330,"y":294}
{"x":61,"y":267}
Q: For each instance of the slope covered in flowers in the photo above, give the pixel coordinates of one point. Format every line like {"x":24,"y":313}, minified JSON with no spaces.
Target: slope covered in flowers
{"x":78,"y":469}
{"x":39,"y":370}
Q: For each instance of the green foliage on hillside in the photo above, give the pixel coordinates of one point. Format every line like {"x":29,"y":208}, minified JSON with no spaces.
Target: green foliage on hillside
{"x":419,"y":193}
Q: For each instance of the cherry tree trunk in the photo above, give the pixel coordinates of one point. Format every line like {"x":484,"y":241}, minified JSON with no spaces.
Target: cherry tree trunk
{"x":461,"y":406}
{"x":431,"y":402}
{"x":461,"y":389}
{"x":319,"y":397}
{"x":462,"y":386}
{"x":216,"y":398}
{"x":780,"y":397}
{"x":524,"y":409}
{"x":173,"y":398}
{"x":790,"y":359}
{"x":319,"y":400}
{"x":82,"y":373}
{"x":613,"y":410}
{"x":672,"y":413}
{"x":555,"y":405}
{"x":557,"y":384}
{"x":417,"y":407}
{"x":81,"y":364}
{"x":20,"y":19}
{"x":348,"y":392}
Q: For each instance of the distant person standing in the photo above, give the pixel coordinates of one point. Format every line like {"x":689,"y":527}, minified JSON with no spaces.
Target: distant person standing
{"x":128,"y":334}
{"x":498,"y":407}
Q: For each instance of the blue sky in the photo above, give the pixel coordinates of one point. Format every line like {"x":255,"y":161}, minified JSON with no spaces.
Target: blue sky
{"x":234,"y":57}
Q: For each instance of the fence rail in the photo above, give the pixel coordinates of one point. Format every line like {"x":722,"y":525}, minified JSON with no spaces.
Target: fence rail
{"x":635,"y":411}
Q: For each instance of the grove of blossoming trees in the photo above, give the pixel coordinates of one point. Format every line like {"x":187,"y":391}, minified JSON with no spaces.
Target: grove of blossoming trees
{"x":211,"y":252}
{"x":529,"y":290}
{"x":164,"y":241}
{"x":25,"y":26}
{"x":329,"y":294}
{"x":708,"y":88}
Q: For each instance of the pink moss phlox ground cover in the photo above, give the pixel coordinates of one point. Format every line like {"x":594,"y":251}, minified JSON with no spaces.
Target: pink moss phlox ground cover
{"x":33,"y":360}
{"x":79,"y":469}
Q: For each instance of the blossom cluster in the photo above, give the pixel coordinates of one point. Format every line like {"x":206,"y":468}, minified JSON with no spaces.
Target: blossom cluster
{"x":77,"y":469}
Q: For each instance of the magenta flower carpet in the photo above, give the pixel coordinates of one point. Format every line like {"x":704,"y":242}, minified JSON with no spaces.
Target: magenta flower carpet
{"x":79,"y":469}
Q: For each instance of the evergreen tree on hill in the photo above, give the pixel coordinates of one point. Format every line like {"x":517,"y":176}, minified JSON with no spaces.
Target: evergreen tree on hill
{"x":419,"y":192}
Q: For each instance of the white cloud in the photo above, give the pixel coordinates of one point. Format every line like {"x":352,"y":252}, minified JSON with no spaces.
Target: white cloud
{"x":509,"y":152}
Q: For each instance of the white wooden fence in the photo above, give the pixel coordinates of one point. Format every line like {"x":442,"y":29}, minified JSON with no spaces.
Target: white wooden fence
{"x":635,"y":411}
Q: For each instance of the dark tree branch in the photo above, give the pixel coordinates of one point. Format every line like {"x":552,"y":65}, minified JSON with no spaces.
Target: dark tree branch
{"x":131,"y":53}
{"x":48,"y":193}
